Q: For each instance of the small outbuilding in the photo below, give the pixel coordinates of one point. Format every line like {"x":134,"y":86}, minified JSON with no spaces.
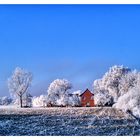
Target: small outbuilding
{"x":87,"y":99}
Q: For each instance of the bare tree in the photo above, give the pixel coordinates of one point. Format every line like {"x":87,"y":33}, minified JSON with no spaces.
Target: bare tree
{"x":19,"y":83}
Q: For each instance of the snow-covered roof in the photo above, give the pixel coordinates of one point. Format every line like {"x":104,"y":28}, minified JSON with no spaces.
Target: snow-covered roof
{"x":86,"y":91}
{"x":78,"y":92}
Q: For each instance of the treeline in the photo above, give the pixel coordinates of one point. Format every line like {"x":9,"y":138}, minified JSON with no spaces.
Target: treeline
{"x":58,"y":93}
{"x":119,"y":87}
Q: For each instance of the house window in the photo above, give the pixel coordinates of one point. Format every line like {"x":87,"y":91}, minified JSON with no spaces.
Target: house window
{"x":92,"y":98}
{"x":84,"y":98}
{"x":88,"y":104}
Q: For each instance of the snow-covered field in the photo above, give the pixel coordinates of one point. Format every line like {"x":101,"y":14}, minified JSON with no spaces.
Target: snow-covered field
{"x":66,"y":121}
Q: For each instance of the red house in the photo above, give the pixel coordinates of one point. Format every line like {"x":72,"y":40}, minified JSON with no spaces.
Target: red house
{"x":87,"y":99}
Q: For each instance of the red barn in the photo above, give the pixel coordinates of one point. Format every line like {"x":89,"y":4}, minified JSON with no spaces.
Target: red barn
{"x":87,"y":99}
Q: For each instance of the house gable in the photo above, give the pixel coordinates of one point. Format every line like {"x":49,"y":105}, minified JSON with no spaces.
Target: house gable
{"x":87,"y":99}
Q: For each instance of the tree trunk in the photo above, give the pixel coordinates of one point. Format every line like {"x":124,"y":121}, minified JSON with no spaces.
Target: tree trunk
{"x":21,"y":101}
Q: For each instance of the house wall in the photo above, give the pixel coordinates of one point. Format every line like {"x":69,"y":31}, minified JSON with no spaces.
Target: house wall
{"x":87,"y":99}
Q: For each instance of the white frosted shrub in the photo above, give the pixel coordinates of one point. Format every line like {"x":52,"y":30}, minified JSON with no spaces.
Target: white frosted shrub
{"x":102,"y":98}
{"x":58,"y":92}
{"x":40,"y":101}
{"x":5,"y":100}
{"x":130,"y":101}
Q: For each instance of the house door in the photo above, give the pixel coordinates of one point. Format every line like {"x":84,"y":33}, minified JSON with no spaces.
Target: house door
{"x":88,"y":104}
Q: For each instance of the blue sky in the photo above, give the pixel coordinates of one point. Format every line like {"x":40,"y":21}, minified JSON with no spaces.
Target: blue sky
{"x":76,"y":42}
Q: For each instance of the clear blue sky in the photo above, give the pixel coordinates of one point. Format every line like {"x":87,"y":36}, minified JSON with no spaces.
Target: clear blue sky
{"x":76,"y":42}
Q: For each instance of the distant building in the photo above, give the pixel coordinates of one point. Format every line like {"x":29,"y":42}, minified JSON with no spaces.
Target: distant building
{"x":87,"y":99}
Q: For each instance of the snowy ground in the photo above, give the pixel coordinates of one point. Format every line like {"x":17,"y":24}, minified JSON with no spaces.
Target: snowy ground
{"x":66,"y":121}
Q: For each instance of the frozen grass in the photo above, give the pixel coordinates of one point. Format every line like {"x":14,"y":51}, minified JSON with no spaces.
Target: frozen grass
{"x":66,"y":121}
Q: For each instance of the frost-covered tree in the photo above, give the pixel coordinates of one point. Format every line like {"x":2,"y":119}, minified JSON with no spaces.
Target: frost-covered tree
{"x":111,"y":81}
{"x":121,"y":84}
{"x":27,"y":100}
{"x":74,"y":100}
{"x":130,"y":101}
{"x":19,"y":83}
{"x":57,"y":92}
{"x":5,"y":100}
{"x":102,"y":98}
{"x":128,"y":81}
{"x":40,"y":101}
{"x":63,"y":100}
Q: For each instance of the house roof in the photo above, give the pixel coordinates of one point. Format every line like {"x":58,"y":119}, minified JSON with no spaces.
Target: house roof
{"x":86,"y":91}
